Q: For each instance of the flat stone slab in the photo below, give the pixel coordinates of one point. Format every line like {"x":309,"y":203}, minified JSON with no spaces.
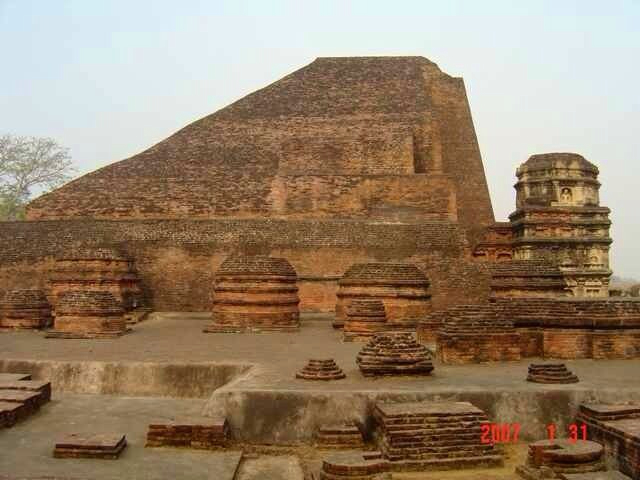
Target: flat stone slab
{"x":14,"y":377}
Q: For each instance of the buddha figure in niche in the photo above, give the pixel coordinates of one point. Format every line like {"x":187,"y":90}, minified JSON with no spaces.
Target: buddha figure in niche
{"x":565,"y":195}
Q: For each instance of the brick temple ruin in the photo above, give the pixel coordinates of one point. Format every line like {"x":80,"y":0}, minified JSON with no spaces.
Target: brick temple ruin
{"x":342,"y":213}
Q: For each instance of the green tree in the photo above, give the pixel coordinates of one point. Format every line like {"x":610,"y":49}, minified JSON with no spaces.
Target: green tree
{"x":28,"y":164}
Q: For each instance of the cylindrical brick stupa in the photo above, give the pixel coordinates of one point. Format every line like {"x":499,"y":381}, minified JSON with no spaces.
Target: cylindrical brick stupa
{"x":98,"y":269}
{"x":255,"y":293}
{"x":25,"y":308}
{"x":88,"y":314}
{"x":402,"y":287}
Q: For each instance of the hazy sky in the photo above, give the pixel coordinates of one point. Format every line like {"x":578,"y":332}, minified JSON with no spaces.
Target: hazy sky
{"x":110,"y":78}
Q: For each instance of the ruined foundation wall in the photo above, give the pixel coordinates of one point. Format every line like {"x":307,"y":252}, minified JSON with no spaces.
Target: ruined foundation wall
{"x":176,"y":259}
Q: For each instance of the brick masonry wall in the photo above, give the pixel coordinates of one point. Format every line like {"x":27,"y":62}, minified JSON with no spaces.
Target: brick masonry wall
{"x":176,"y":258}
{"x":567,"y":343}
{"x":608,"y":344}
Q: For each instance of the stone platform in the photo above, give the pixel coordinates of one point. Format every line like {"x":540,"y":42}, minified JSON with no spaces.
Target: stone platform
{"x":250,"y":379}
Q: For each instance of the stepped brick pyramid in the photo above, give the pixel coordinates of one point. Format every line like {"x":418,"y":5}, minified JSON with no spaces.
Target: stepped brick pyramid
{"x":255,"y":293}
{"x":345,"y":435}
{"x":353,"y":465}
{"x":99,"y":269}
{"x":394,"y":354}
{"x":88,"y":314}
{"x":324,"y":369}
{"x":562,"y":456}
{"x":575,"y":328}
{"x":365,"y":317}
{"x":527,"y":278}
{"x":20,"y":397}
{"x":25,"y":308}
{"x":617,"y":427}
{"x":402,"y":287}
{"x":204,"y":433}
{"x":476,"y":333}
{"x":344,"y":160}
{"x":433,"y":435}
{"x":550,"y":373}
{"x":104,"y":446}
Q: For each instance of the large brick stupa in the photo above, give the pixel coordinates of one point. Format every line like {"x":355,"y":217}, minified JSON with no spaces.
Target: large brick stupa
{"x":346,"y":160}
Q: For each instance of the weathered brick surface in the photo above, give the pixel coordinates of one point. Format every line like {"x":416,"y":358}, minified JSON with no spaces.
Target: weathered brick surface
{"x":475,"y":334}
{"x":561,"y":456}
{"x":347,"y":160}
{"x":88,"y":314}
{"x":321,"y":369}
{"x":99,"y":269}
{"x":25,"y":308}
{"x":527,"y":278}
{"x":103,"y":446}
{"x":354,"y":465}
{"x":205,"y":433}
{"x":403,"y":289}
{"x":566,"y":328}
{"x":617,"y":427}
{"x":344,"y":435}
{"x":550,"y":373}
{"x":20,"y":397}
{"x":255,"y":293}
{"x":365,"y":318}
{"x":176,"y":260}
{"x":394,"y":354}
{"x":558,"y":219}
{"x":301,"y":143}
{"x":433,"y":435}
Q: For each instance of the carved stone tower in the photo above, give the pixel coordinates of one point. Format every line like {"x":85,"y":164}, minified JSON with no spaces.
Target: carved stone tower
{"x":558,"y":218}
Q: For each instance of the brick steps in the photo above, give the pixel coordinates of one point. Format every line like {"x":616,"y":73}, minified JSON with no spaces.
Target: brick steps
{"x":556,"y":373}
{"x":617,"y":427}
{"x":325,"y":369}
{"x":20,"y":397}
{"x":394,"y":354}
{"x":339,"y":436}
{"x":433,"y":435}
{"x":352,"y":465}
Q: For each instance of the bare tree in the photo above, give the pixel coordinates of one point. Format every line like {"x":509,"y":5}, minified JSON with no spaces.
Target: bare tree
{"x":28,"y":163}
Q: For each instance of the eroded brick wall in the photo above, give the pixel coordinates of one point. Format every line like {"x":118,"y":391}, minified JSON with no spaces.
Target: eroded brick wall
{"x":176,"y":258}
